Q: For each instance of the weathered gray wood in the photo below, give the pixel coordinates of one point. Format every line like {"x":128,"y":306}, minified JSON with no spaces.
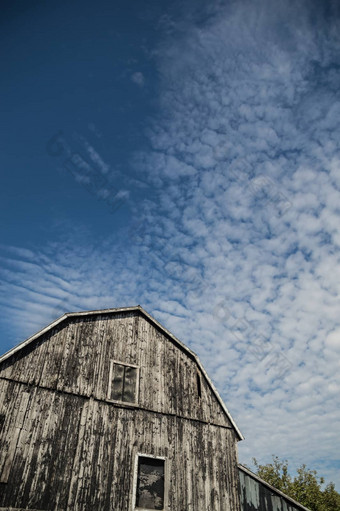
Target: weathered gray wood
{"x":76,"y":358}
{"x":66,"y":446}
{"x":19,"y":509}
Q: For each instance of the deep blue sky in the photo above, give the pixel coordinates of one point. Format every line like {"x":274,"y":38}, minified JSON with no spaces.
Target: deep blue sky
{"x":215,"y":127}
{"x":65,"y":66}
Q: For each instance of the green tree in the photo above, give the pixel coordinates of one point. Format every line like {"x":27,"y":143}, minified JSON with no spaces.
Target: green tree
{"x":275,"y":473}
{"x":305,"y":487}
{"x":330,"y":498}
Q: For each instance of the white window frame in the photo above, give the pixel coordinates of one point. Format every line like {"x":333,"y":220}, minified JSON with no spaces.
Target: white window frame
{"x":135,"y":476}
{"x":109,"y":390}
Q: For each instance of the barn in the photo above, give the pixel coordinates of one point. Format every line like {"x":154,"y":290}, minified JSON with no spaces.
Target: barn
{"x":107,"y":410}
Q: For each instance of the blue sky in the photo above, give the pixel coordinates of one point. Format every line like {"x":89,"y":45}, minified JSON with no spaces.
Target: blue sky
{"x":185,"y":158}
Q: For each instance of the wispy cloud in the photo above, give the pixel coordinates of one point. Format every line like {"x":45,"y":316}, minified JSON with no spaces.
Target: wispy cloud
{"x":79,"y":157}
{"x":138,"y":78}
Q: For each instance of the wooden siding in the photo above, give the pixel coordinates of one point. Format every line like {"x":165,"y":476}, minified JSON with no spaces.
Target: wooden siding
{"x":257,"y":495}
{"x":75,"y":357}
{"x":70,"y":452}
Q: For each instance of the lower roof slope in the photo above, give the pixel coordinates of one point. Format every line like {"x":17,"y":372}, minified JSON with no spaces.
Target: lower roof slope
{"x":272,"y":489}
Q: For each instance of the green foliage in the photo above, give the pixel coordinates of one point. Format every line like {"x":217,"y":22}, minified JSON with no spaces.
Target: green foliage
{"x":305,"y":487}
{"x":330,"y":498}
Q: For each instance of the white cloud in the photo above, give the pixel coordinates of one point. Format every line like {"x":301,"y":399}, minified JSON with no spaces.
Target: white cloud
{"x":333,"y":341}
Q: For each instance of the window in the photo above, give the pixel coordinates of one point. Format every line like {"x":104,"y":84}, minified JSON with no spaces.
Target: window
{"x":199,"y":389}
{"x":150,"y":483}
{"x":123,"y":382}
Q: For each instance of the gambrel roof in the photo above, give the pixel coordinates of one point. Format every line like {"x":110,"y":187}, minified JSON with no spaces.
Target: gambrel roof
{"x":147,"y":316}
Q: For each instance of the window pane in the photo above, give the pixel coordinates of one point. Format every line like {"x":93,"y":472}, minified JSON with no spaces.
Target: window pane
{"x":117,"y":382}
{"x":199,"y":390}
{"x":129,"y":393}
{"x":150,"y":484}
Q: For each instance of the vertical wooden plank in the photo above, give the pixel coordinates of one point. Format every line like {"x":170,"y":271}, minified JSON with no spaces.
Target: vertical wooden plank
{"x":77,"y":469}
{"x":65,"y":450}
{"x":24,"y":471}
{"x":87,"y":330}
{"x":48,"y":425}
{"x":15,"y":433}
{"x":99,"y":386}
{"x":66,"y":374}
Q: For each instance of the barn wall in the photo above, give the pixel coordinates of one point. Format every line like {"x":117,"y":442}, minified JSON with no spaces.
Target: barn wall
{"x":256,"y":496}
{"x":63,"y":451}
{"x":75,"y":357}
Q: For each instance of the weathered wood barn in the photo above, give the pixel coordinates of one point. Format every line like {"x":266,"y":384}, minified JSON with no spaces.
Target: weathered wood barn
{"x":107,"y":410}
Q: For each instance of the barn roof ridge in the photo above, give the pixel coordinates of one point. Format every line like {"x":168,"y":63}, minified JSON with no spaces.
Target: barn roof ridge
{"x":140,"y":309}
{"x":247,"y":471}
